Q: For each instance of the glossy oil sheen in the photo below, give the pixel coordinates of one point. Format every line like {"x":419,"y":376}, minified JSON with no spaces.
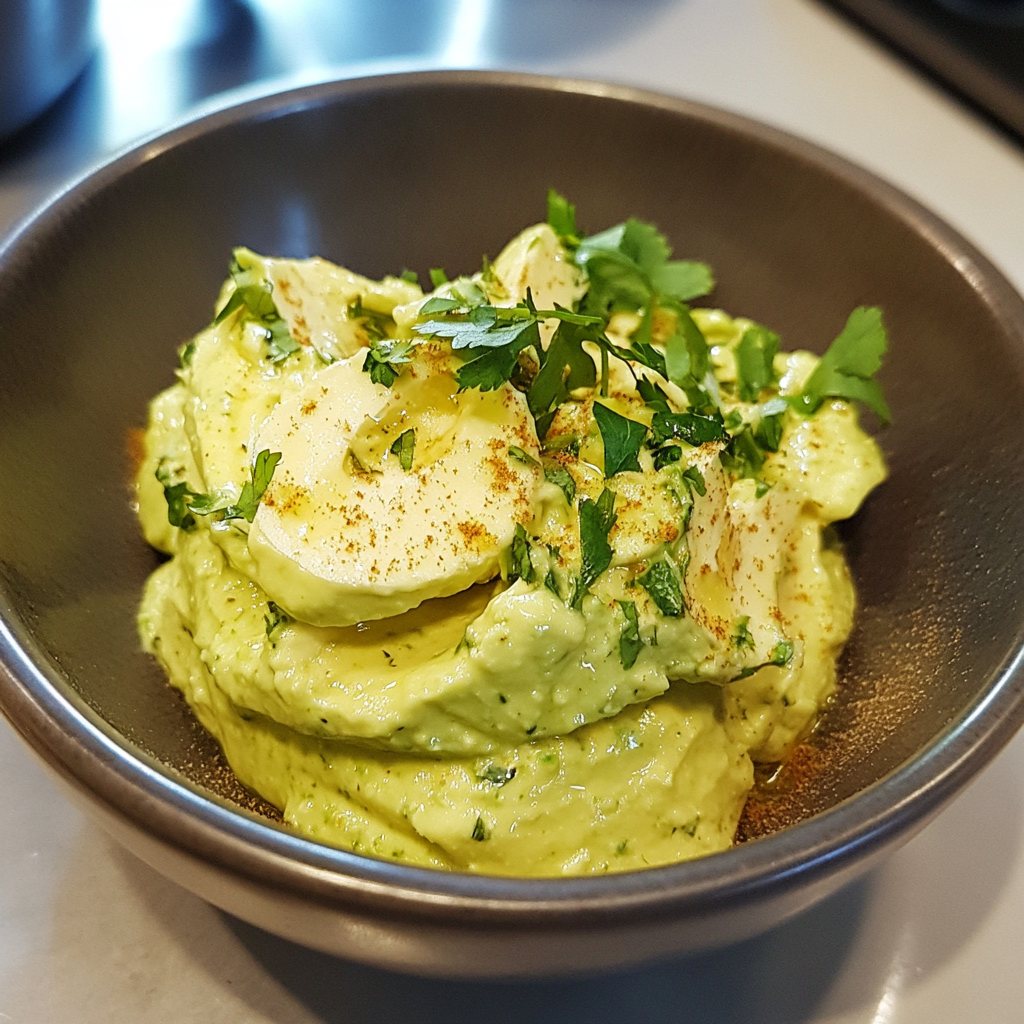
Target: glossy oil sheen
{"x":433,"y":170}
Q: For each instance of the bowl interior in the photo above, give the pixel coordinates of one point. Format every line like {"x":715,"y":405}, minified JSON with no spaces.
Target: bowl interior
{"x":421,"y":173}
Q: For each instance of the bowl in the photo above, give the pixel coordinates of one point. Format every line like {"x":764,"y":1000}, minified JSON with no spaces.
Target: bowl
{"x":101,"y":286}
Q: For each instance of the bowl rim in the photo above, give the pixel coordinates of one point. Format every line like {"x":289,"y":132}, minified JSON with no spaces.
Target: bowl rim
{"x":74,"y":739}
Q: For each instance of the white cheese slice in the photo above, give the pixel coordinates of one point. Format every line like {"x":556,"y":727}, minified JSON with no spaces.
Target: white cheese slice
{"x":338,"y":541}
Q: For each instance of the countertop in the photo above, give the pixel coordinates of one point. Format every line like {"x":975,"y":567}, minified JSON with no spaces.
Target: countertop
{"x":89,"y":934}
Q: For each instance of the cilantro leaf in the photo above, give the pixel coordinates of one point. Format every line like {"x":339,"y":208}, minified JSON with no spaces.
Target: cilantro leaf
{"x":692,"y":427}
{"x":183,"y":504}
{"x":253,"y":296}
{"x":623,"y":438}
{"x":653,"y":395}
{"x":687,"y":357}
{"x":630,"y":643}
{"x":562,"y":217}
{"x":695,"y":478}
{"x":496,"y":775}
{"x":755,"y":355}
{"x":743,"y":455}
{"x":481,"y":330}
{"x":662,"y":584}
{"x":596,"y":520}
{"x":743,"y":639}
{"x":255,"y":487}
{"x":565,"y":366}
{"x":438,"y":304}
{"x":385,"y":359}
{"x":404,"y":446}
{"x":520,"y":456}
{"x":176,"y":496}
{"x":274,"y":618}
{"x":561,"y":478}
{"x":847,"y":369}
{"x":683,"y":280}
{"x":667,"y":456}
{"x":520,"y":567}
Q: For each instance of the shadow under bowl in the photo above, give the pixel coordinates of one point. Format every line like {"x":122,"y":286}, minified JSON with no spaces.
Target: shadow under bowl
{"x":99,"y":289}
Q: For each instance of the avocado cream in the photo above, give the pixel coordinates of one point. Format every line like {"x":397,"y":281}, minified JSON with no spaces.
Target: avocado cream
{"x":520,"y":576}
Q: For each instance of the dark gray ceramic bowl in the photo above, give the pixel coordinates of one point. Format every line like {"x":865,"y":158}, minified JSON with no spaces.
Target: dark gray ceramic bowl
{"x":98,"y":290}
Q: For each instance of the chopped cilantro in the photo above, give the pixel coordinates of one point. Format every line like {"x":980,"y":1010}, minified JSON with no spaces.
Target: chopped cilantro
{"x":182,"y":501}
{"x":847,"y":369}
{"x":561,"y":478}
{"x":252,"y":294}
{"x":519,"y":565}
{"x":695,"y":479}
{"x":274,"y":617}
{"x":666,"y":456}
{"x":385,"y":359}
{"x":565,"y":366}
{"x":562,"y":218}
{"x":439,"y":304}
{"x":662,"y":584}
{"x":404,"y":446}
{"x":768,"y":432}
{"x":410,"y":277}
{"x":692,"y":427}
{"x":496,"y":775}
{"x":743,"y":456}
{"x":623,"y":438}
{"x":755,"y":355}
{"x":520,"y":456}
{"x":438,"y":277}
{"x":630,"y":643}
{"x":783,"y":653}
{"x":743,"y":639}
{"x":176,"y":496}
{"x":596,"y":520}
{"x":480,"y":833}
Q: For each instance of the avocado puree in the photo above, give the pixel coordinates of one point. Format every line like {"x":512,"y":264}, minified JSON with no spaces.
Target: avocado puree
{"x":531,"y":720}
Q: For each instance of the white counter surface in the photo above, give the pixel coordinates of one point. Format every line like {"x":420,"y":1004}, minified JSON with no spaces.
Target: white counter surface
{"x":89,"y":934}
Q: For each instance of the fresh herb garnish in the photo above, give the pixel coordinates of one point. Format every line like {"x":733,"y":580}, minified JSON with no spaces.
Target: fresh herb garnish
{"x":596,"y":520}
{"x":662,"y":584}
{"x":253,"y":295}
{"x":623,"y":438}
{"x":743,"y":639}
{"x":274,"y":617}
{"x":437,"y":277}
{"x":755,"y":356}
{"x":562,"y":218}
{"x":183,"y":503}
{"x":385,"y":359}
{"x":404,"y":446}
{"x":630,"y":643}
{"x":561,"y":478}
{"x":480,"y":833}
{"x":692,"y":427}
{"x":410,"y":277}
{"x":520,"y":456}
{"x":847,"y":369}
{"x":496,"y":775}
{"x":519,"y":565}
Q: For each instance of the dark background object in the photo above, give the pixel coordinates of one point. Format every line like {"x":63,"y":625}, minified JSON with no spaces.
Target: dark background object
{"x":98,"y":292}
{"x":43,"y":48}
{"x":975,"y":47}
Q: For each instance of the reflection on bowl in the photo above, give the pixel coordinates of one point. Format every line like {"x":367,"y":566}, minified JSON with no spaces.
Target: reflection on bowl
{"x":99,"y":290}
{"x":45,"y":46}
